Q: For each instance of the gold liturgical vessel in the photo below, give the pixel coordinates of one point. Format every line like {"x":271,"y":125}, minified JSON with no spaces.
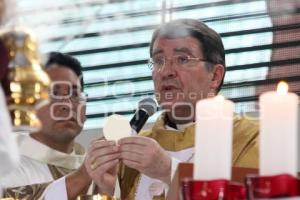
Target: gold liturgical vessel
{"x":29,"y":84}
{"x":96,"y":197}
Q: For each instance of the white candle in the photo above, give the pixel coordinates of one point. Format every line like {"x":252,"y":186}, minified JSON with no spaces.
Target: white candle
{"x":278,"y":132}
{"x":213,"y":146}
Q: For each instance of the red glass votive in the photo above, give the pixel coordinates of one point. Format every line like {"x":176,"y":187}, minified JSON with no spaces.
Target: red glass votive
{"x":211,"y":190}
{"x":278,"y":186}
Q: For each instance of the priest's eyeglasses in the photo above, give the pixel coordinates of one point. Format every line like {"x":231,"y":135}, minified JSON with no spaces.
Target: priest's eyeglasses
{"x":180,"y":61}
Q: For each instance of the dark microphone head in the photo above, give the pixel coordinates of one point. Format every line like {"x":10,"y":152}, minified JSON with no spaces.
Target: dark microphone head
{"x":146,"y":108}
{"x":149,"y":105}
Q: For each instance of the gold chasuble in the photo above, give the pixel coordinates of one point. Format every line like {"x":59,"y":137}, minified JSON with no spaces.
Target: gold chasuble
{"x":40,"y":165}
{"x":180,"y":143}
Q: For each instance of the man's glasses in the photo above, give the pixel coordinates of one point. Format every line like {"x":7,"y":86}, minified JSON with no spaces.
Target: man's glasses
{"x":181,"y":61}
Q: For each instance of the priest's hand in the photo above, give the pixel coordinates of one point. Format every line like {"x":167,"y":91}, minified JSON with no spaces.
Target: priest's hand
{"x":147,"y":156}
{"x":102,"y":165}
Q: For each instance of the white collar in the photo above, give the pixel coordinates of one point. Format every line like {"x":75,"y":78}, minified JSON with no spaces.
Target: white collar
{"x":180,"y":127}
{"x":36,"y":150}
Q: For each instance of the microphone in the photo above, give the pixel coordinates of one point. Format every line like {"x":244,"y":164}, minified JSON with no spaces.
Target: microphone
{"x":146,"y":108}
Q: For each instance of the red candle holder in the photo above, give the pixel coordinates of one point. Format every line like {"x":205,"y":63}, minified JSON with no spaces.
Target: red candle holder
{"x":211,"y":190}
{"x":278,"y":186}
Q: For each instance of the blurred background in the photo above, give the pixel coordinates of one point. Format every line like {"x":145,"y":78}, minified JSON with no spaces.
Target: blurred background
{"x":111,"y":40}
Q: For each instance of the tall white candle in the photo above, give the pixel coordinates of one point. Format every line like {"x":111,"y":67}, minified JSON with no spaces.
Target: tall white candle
{"x":213,"y":146}
{"x":278,"y":132}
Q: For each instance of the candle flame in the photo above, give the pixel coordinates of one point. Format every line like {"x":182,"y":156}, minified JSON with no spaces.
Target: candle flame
{"x":282,"y":87}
